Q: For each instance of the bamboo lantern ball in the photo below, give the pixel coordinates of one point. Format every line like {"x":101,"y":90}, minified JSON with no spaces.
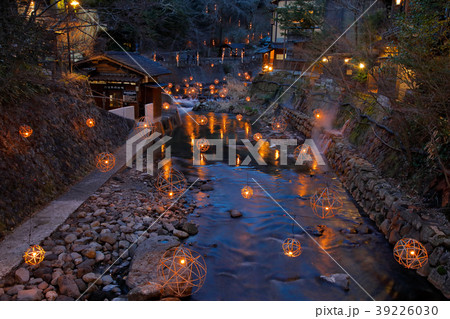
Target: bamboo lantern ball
{"x":34,"y":255}
{"x":181,"y":272}
{"x":202,"y":120}
{"x":170,"y":85}
{"x":105,"y":162}
{"x":239,"y":117}
{"x":90,"y":122}
{"x":317,"y":114}
{"x":410,"y":253}
{"x":170,"y":183}
{"x":216,"y":81}
{"x":145,"y":125}
{"x":302,"y":152}
{"x":212,"y":87}
{"x":166,"y":105}
{"x":191,"y":78}
{"x":248,"y":99}
{"x":279,"y":124}
{"x":25,"y":131}
{"x":247,"y":192}
{"x":257,"y":137}
{"x":292,"y":247}
{"x":202,"y":144}
{"x":325,"y":203}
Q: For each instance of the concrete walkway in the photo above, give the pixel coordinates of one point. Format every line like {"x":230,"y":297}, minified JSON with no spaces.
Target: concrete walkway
{"x":45,"y":222}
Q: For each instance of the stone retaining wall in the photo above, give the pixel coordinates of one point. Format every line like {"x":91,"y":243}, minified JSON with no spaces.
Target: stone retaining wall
{"x":395,"y":215}
{"x":300,"y":121}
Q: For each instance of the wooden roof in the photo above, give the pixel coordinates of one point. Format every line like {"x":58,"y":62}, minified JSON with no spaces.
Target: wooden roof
{"x":132,"y":61}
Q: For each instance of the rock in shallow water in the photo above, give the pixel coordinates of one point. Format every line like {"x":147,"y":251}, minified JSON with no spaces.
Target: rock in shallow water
{"x":341,"y":280}
{"x":235,"y":213}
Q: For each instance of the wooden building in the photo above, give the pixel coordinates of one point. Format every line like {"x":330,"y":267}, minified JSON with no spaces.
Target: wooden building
{"x":121,"y":79}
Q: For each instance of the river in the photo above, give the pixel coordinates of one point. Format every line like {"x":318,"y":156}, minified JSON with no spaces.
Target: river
{"x":244,"y":255}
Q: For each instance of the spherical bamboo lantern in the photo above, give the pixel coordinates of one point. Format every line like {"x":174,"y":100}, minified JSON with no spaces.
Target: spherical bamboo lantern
{"x":212,"y":87}
{"x":90,"y":122}
{"x":279,"y":124}
{"x":170,"y":183}
{"x":181,"y":272}
{"x":105,"y":162}
{"x":410,"y":253}
{"x":301,"y":152}
{"x":325,"y":203}
{"x":202,"y":120}
{"x":292,"y":247}
{"x":239,"y":117}
{"x":34,"y":255}
{"x":247,"y":192}
{"x":317,"y":114}
{"x":191,"y":78}
{"x":166,"y":105}
{"x":170,"y":85}
{"x":145,"y":126}
{"x":25,"y":131}
{"x":202,"y":144}
{"x":248,"y":99}
{"x":257,"y":137}
{"x":216,"y":81}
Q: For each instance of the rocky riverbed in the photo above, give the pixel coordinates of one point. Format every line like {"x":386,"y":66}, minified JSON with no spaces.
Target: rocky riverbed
{"x":99,"y":247}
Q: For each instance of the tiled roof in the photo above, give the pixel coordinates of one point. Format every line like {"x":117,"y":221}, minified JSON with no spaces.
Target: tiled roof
{"x":138,"y":62}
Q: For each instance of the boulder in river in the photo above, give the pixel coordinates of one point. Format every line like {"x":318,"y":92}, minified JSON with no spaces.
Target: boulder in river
{"x":145,"y":261}
{"x":340,"y":280}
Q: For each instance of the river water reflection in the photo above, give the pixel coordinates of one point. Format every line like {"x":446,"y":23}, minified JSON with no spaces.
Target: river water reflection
{"x":244,"y":255}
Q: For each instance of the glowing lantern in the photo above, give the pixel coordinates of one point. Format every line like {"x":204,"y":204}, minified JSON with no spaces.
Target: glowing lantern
{"x":145,"y":126}
{"x":212,"y":87}
{"x":247,"y":77}
{"x":191,"y":78}
{"x":202,"y":144}
{"x":170,"y":183}
{"x":325,"y":203}
{"x":105,"y":162}
{"x":325,"y":60}
{"x":279,"y":124}
{"x":181,"y":272}
{"x":257,"y":137}
{"x":177,"y":87}
{"x":212,"y":65}
{"x":247,"y":192}
{"x":410,"y":253}
{"x":166,"y":105}
{"x":25,"y":131}
{"x":224,"y":78}
{"x":170,"y":85}
{"x":292,"y":247}
{"x":347,"y":60}
{"x":239,"y":117}
{"x":90,"y":122}
{"x":317,"y":114}
{"x":248,"y":99}
{"x":202,"y":120}
{"x":34,"y":255}
{"x":302,"y":152}
{"x":362,"y":65}
{"x":216,"y":81}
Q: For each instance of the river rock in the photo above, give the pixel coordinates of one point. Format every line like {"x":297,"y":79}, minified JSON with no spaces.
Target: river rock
{"x":234,"y":213}
{"x":14,"y":290}
{"x":180,"y":234}
{"x":341,"y":280}
{"x":108,"y":237}
{"x":91,"y":277}
{"x":190,"y":228}
{"x":22,"y":275}
{"x":70,"y":238}
{"x":30,"y":295}
{"x":206,"y":187}
{"x":150,"y":291}
{"x":68,"y":287}
{"x":145,"y":261}
{"x":51,"y":295}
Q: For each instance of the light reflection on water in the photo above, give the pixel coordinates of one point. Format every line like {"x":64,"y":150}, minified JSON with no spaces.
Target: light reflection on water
{"x":244,"y":255}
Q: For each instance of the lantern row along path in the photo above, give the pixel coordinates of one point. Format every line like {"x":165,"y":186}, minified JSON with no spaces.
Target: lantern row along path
{"x":45,"y":222}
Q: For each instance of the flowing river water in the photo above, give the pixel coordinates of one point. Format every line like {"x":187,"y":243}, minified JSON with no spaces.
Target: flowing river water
{"x":244,"y":255}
